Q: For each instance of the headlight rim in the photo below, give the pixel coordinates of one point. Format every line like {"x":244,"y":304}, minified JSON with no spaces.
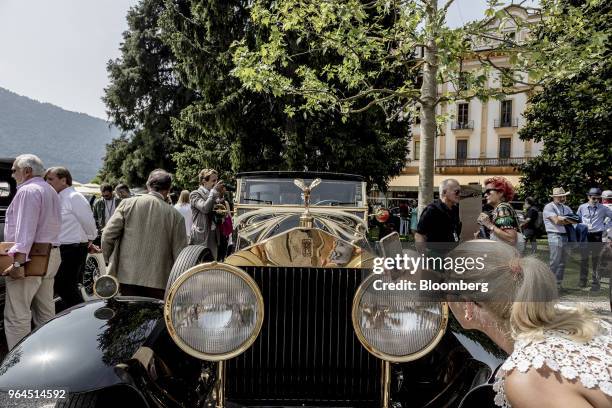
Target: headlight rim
{"x":204,"y":267}
{"x":390,"y":357}
{"x":107,"y":276}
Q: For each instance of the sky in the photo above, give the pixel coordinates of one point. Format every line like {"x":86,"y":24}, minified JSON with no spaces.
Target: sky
{"x":56,"y":50}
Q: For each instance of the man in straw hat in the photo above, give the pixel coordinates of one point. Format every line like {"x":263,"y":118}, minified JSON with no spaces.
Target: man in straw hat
{"x":555,"y":219}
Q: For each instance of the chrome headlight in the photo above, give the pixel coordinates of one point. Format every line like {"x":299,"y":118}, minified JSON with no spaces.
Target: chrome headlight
{"x":106,"y":286}
{"x":393,"y":325}
{"x":214,"y":311}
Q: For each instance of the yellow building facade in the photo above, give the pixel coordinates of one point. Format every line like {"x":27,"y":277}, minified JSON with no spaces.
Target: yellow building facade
{"x":480,"y":139}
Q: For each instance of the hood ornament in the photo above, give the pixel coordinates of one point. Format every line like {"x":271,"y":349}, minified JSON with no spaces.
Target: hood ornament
{"x":306,"y":219}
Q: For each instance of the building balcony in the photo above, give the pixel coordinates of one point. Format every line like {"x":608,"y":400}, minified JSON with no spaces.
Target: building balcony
{"x":469,"y":124}
{"x":492,"y":162}
{"x":503,"y":123}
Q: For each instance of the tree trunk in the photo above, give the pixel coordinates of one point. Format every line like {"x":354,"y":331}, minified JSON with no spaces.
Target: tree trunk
{"x":429,"y":94}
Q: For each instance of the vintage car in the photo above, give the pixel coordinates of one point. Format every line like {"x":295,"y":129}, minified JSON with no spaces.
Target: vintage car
{"x":288,"y":320}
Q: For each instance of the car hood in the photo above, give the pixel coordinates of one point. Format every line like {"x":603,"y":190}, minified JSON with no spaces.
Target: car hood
{"x":79,"y":350}
{"x":303,"y":247}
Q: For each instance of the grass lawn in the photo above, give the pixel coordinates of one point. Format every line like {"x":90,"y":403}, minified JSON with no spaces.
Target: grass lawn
{"x":571,"y":279}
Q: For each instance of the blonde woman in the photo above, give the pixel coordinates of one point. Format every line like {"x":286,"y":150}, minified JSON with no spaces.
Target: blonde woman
{"x":558,"y":357}
{"x":204,"y":230}
{"x":184,"y":207}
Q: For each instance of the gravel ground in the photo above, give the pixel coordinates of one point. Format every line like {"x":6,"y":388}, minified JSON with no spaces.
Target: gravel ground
{"x":600,"y":307}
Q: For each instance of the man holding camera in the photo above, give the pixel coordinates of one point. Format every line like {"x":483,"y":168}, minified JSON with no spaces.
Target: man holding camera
{"x":204,"y":230}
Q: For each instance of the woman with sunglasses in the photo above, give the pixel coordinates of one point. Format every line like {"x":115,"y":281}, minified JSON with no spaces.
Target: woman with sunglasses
{"x":558,"y":356}
{"x":503,"y":222}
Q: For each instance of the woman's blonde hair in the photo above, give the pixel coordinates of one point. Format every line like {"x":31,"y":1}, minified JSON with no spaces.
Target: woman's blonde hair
{"x":527,"y":292}
{"x":184,"y":197}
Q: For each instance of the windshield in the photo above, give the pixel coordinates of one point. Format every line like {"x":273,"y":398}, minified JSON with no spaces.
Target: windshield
{"x":282,"y":191}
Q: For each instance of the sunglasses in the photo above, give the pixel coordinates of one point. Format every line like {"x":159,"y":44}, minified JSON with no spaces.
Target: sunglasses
{"x":488,"y":191}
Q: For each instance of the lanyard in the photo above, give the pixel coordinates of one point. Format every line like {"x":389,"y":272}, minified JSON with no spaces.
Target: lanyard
{"x":108,"y":211}
{"x":591,"y":216}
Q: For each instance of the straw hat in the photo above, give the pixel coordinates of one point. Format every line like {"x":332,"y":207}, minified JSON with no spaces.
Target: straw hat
{"x":559,"y":192}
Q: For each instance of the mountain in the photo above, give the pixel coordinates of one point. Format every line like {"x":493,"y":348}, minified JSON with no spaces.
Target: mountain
{"x":59,"y":137}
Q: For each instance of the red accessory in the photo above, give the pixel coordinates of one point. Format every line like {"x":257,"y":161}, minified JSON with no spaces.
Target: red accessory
{"x":515,"y":267}
{"x":227,"y":227}
{"x":382,"y":215}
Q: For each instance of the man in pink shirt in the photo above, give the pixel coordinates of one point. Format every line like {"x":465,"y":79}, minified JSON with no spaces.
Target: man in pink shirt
{"x":33,"y":216}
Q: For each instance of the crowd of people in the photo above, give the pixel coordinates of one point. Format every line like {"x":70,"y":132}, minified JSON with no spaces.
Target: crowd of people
{"x":499,"y":221}
{"x":131,"y":243}
{"x":140,"y":237}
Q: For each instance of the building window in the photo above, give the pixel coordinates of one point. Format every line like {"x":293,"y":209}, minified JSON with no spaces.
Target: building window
{"x":417,"y":149}
{"x":506,"y":113}
{"x":462,"y":149}
{"x":417,"y":115}
{"x":462,"y":114}
{"x":505,"y":144}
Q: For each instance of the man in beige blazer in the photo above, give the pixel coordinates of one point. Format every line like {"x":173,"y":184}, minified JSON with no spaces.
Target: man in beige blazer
{"x":143,"y":238}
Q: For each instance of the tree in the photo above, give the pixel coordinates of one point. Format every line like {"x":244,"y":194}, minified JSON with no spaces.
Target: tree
{"x":364,"y":48}
{"x":235,"y":129}
{"x":572,"y":118}
{"x":143,"y":96}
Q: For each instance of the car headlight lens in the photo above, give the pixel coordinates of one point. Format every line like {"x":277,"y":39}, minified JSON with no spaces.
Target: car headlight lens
{"x":394,"y":326}
{"x":214,"y":311}
{"x":106,"y":286}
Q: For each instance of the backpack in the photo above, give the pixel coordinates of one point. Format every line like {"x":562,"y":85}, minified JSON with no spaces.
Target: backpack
{"x":539,"y":222}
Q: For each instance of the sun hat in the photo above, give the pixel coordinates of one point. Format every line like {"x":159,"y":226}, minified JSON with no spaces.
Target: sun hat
{"x":559,"y":192}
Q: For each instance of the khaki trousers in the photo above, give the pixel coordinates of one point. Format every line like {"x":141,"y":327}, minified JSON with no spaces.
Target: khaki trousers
{"x":29,"y":299}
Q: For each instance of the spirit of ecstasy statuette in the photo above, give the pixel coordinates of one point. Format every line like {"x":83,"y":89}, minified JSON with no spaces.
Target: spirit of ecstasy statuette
{"x":306,"y":219}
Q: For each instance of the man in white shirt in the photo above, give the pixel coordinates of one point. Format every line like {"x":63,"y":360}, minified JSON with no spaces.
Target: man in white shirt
{"x":555,"y":220}
{"x":77,"y":233}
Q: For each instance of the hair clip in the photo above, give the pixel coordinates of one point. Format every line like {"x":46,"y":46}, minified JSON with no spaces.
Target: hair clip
{"x":515,"y":267}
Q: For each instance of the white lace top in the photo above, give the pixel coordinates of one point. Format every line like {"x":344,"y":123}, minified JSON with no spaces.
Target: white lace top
{"x":590,"y":362}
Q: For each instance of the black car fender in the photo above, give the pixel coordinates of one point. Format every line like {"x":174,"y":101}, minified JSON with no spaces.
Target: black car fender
{"x":83,"y":349}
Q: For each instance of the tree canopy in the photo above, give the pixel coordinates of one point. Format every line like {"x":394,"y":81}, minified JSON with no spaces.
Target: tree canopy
{"x":174,"y":98}
{"x":369,"y":39}
{"x":320,"y":85}
{"x":234,"y":129}
{"x":571,"y":116}
{"x":143,"y":96}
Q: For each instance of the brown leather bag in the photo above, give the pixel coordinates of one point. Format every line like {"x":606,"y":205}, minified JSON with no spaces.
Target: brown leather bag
{"x":39,"y":258}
